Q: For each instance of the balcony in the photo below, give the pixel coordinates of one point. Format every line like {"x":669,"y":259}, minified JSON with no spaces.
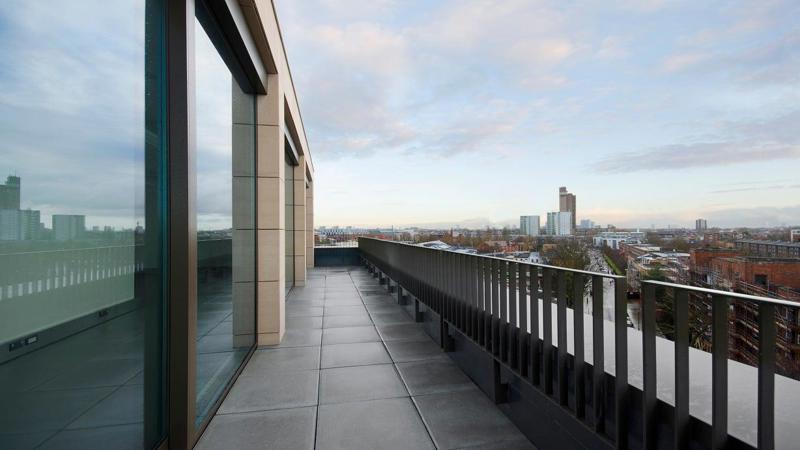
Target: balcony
{"x":354,"y":370}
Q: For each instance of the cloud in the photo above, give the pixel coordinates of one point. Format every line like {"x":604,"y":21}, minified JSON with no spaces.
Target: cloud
{"x":683,"y":61}
{"x":702,"y":154}
{"x":772,"y":139}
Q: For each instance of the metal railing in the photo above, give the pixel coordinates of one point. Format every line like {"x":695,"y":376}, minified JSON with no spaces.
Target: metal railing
{"x":720,"y":321}
{"x":486,"y":299}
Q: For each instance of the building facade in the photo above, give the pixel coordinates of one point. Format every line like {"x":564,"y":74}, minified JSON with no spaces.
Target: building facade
{"x":529,"y":225}
{"x":559,"y":223}
{"x":177,"y":131}
{"x":700,"y":225}
{"x":567,"y":203}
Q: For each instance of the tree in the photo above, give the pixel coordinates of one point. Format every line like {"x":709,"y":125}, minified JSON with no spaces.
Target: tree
{"x":572,"y":255}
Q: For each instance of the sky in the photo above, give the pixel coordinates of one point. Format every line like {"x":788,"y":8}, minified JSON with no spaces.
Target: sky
{"x":439,"y":113}
{"x":469,"y":112}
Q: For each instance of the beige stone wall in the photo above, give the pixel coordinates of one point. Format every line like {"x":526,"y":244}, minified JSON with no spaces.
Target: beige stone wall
{"x":274,"y":110}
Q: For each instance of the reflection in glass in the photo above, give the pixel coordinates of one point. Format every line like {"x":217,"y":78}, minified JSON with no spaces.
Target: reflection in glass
{"x":225,"y":224}
{"x":81,"y":226}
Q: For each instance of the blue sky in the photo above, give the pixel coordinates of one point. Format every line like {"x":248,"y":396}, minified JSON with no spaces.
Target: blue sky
{"x":475,"y":112}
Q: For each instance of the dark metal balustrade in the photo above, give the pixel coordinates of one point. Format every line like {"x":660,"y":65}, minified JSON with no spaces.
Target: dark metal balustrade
{"x":476,"y":296}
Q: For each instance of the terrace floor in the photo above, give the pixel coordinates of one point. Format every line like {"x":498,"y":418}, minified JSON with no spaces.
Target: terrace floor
{"x":355,"y":371}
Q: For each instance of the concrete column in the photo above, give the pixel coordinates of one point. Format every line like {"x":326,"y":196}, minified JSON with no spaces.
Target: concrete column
{"x":270,"y":220}
{"x":299,"y":208}
{"x":310,"y":224}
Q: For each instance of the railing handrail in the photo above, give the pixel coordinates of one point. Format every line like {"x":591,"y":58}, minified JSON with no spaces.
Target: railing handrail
{"x":728,"y":294}
{"x":544,"y":266}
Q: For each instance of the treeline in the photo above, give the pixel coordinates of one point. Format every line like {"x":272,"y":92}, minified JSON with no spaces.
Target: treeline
{"x":616,"y":257}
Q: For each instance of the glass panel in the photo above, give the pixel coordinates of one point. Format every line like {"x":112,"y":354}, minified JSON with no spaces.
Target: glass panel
{"x":225,"y":223}
{"x":289,"y":224}
{"x":82,"y":250}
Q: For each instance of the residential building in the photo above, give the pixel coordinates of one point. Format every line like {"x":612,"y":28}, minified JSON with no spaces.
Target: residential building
{"x":613,"y":239}
{"x":19,"y":224}
{"x":674,"y":266}
{"x":794,"y":235}
{"x":67,"y":227}
{"x":529,"y":225}
{"x":10,"y":193}
{"x":769,"y":249}
{"x":700,"y":225}
{"x":586,"y":224}
{"x":559,"y":223}
{"x":567,"y":203}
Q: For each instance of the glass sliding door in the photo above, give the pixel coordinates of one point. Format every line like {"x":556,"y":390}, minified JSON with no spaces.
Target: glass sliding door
{"x":82,"y":227}
{"x":225,"y":170}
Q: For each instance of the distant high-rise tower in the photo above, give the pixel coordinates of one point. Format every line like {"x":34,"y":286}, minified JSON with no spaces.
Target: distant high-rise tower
{"x":700,"y":225}
{"x":10,"y":193}
{"x":559,"y":223}
{"x":566,"y":203}
{"x":529,"y":225}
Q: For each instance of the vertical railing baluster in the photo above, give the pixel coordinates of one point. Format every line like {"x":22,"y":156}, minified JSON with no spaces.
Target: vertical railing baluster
{"x":578,"y":281}
{"x":598,"y":355}
{"x":535,"y":353}
{"x":681,"y":369}
{"x":512,"y":314}
{"x":649,"y":372}
{"x":487,"y":305}
{"x":766,"y":376}
{"x":621,"y":362}
{"x":561,"y":322}
{"x":719,"y":372}
{"x":523,"y":319}
{"x":503,"y":313}
{"x":547,"y":329}
{"x":495,"y":307}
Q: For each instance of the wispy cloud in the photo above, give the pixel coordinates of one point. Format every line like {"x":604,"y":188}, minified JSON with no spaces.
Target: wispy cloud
{"x":772,"y":139}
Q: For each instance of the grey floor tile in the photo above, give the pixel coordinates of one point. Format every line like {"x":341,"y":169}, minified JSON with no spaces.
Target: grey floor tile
{"x":278,"y":429}
{"x":404,"y":351}
{"x":346,"y":310}
{"x":215,"y":343}
{"x":516,"y":444}
{"x":463,"y":419}
{"x":299,"y":338}
{"x":24,"y":441}
{"x":282,"y":360}
{"x":125,"y":406}
{"x":272,"y":391}
{"x":383,"y":308}
{"x":346,"y":321}
{"x":32,"y":412}
{"x":350,"y":384}
{"x":349,"y":335}
{"x":342,"y":355}
{"x":303,"y":323}
{"x":379,"y":300}
{"x":392,"y":318}
{"x":303,"y":311}
{"x":402,"y":332}
{"x":378,"y":424}
{"x":124,"y":437}
{"x":345,"y":301}
{"x":433,"y":376}
{"x":98,"y":373}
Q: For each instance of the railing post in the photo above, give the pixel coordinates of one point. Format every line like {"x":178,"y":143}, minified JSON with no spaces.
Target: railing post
{"x":719,"y":372}
{"x":649,"y":399}
{"x":621,"y":361}
{"x":580,"y":362}
{"x":681,"y":369}
{"x":766,"y":376}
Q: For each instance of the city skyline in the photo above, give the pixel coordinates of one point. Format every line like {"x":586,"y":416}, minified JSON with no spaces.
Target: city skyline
{"x":689,"y":112}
